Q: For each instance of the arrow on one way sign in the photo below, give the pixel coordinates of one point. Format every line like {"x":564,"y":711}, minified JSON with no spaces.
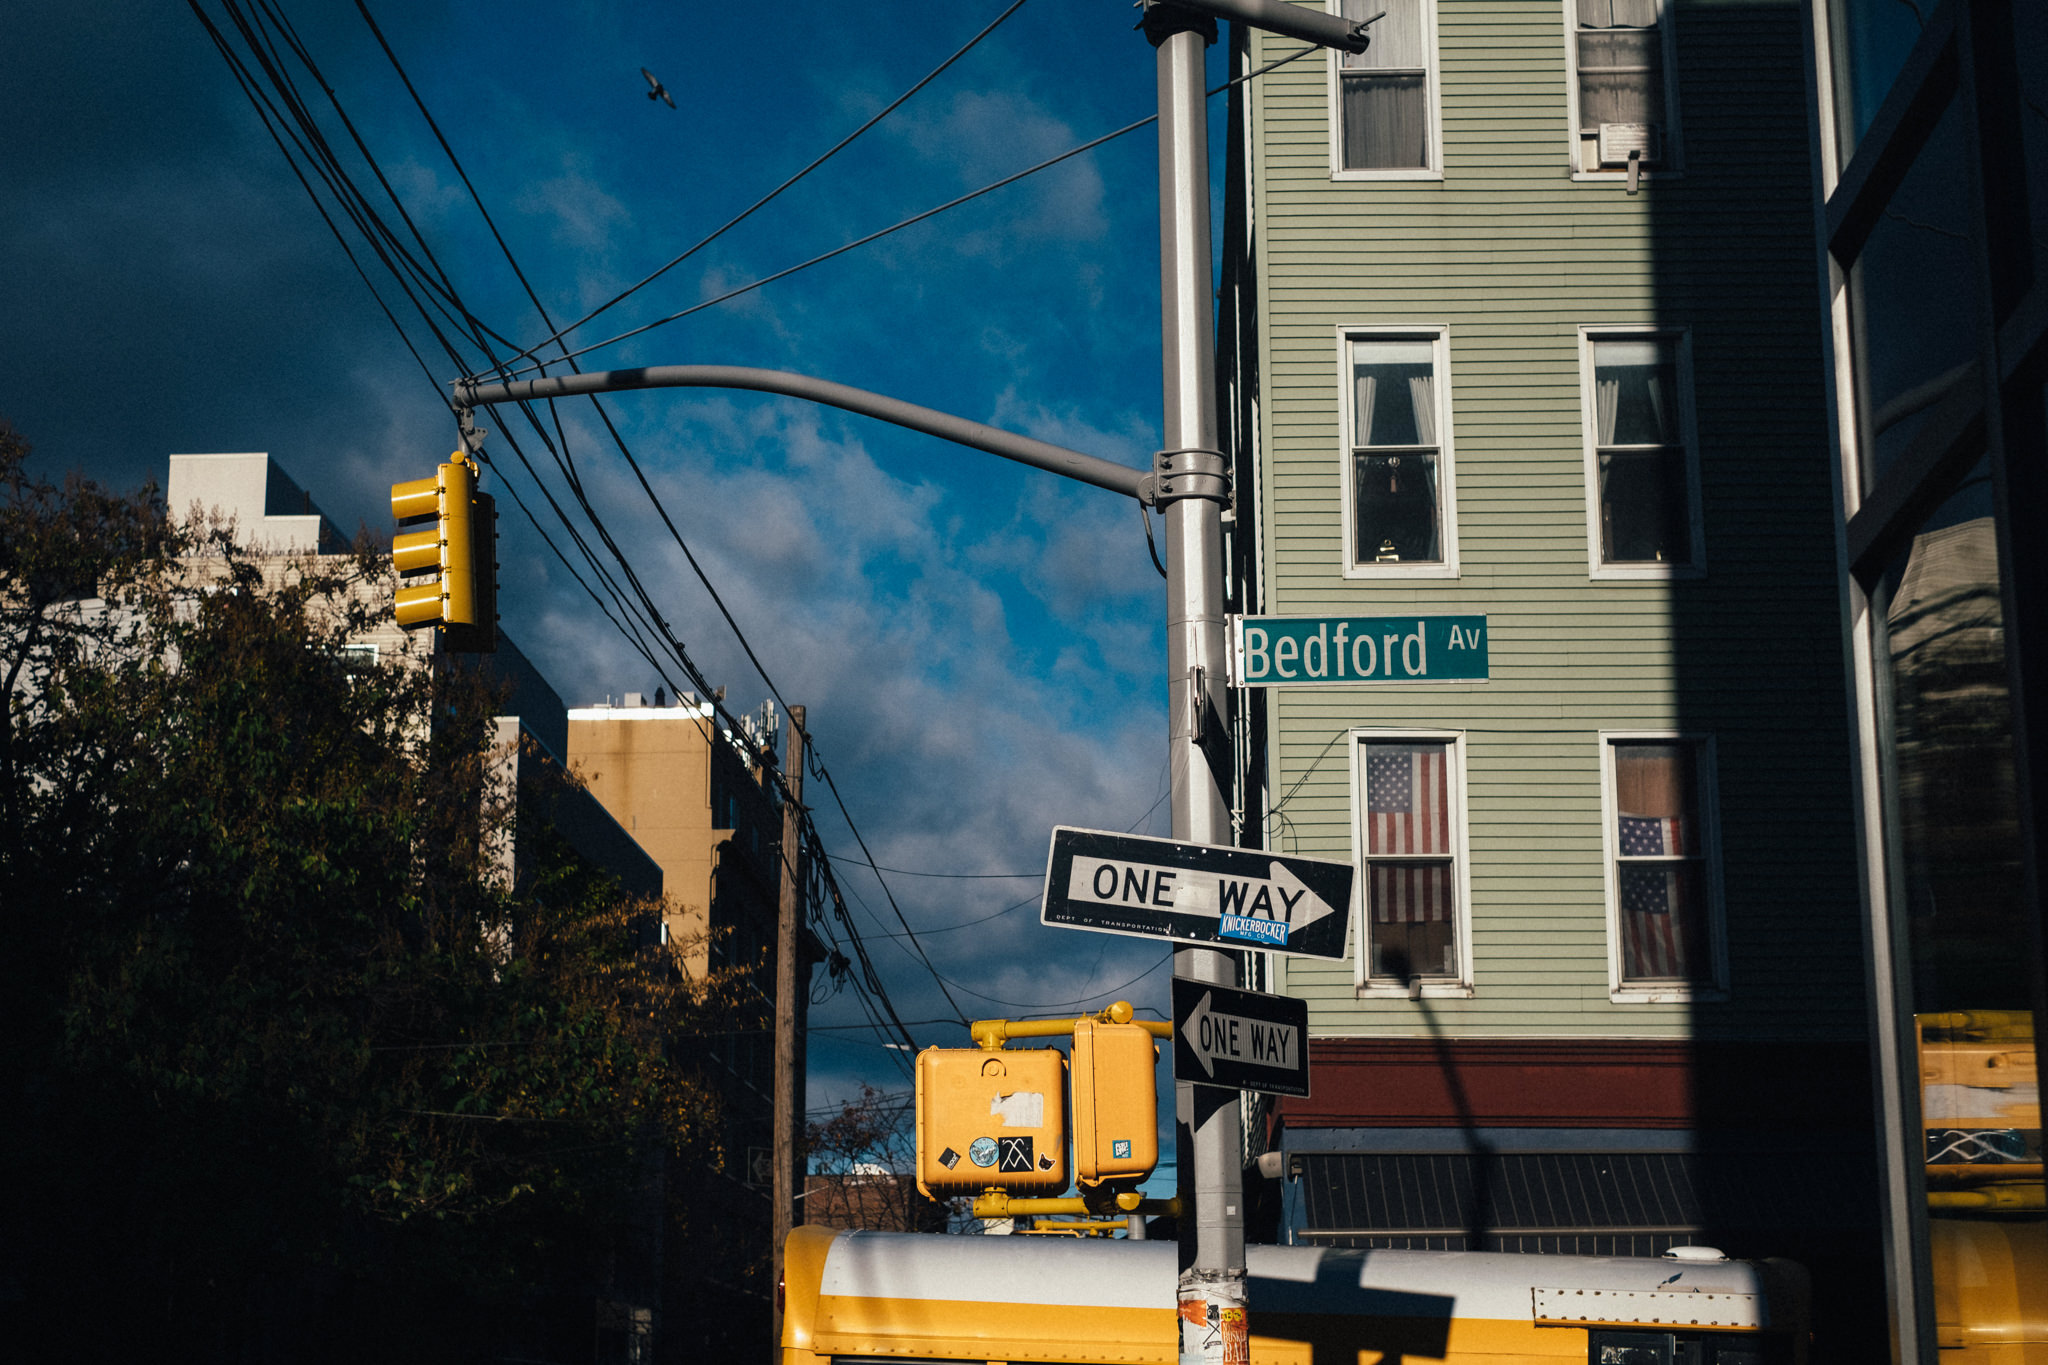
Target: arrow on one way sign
{"x":1240,"y":1039}
{"x":1277,"y":899}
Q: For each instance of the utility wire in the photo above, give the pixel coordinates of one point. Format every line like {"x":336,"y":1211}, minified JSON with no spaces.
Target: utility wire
{"x":949,"y":876}
{"x":1064,"y":1004}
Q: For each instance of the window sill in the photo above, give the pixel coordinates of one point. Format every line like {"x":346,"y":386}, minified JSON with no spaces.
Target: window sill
{"x":1447,"y":570}
{"x":1431,"y":990}
{"x":1639,"y":573}
{"x":1410,"y":174}
{"x":1667,"y":995}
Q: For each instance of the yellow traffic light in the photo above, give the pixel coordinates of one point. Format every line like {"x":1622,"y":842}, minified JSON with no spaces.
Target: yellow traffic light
{"x":1116,"y":1108}
{"x":448,"y":570}
{"x":991,"y":1120}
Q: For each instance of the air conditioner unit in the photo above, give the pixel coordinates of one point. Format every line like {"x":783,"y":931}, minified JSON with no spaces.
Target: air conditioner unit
{"x":1617,"y":140}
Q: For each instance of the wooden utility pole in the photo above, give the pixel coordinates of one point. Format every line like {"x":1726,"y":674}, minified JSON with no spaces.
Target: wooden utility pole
{"x":791,"y":985}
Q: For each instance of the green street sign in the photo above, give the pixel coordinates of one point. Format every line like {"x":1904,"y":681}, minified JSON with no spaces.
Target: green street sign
{"x":1310,"y":651}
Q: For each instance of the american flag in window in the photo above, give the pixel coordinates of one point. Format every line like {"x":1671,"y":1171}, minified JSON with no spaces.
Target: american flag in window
{"x":1659,"y":872}
{"x":1408,"y":818}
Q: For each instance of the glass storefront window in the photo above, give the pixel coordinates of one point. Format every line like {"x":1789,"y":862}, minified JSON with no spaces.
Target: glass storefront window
{"x":1957,"y":881}
{"x":1871,"y":41}
{"x":1913,"y":298}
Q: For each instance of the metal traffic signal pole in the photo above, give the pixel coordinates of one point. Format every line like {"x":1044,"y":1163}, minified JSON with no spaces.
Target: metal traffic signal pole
{"x":1193,"y":487}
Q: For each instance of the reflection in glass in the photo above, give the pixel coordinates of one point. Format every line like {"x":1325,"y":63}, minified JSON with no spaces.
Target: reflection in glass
{"x":1913,"y":299}
{"x":1871,"y":41}
{"x":1957,"y":880}
{"x":1395,"y":478}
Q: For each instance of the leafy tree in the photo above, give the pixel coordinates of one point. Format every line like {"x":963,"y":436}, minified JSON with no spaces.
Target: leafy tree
{"x":288,"y":1073}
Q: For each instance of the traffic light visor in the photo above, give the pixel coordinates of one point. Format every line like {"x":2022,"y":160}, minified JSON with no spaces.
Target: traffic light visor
{"x":416,"y":498}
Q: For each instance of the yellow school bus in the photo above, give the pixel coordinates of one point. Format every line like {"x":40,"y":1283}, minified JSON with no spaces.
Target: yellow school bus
{"x":879,"y":1296}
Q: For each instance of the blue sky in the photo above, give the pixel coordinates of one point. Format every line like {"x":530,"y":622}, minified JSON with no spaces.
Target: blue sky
{"x":980,"y":646}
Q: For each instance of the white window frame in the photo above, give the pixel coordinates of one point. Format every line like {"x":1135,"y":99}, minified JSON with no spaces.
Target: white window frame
{"x":1673,"y":164}
{"x":1432,"y":99}
{"x":1688,"y":431}
{"x":1439,"y":335}
{"x":1706,"y":769}
{"x":1365,"y":986}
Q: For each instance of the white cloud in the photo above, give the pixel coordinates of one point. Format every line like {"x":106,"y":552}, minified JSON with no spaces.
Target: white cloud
{"x":577,"y":209}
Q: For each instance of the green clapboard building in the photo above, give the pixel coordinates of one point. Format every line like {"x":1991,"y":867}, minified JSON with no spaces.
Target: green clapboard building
{"x":1539,"y":624}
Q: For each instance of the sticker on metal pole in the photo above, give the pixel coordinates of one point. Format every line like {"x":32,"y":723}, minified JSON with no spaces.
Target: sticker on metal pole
{"x":1196,"y":893}
{"x":1239,"y":1040}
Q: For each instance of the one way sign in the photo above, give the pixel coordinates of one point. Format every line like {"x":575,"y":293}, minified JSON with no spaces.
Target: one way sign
{"x":1241,"y":1040}
{"x":1197,"y":893}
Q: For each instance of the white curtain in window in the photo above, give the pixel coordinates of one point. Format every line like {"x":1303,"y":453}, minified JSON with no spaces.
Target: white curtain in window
{"x":1616,"y":14}
{"x":1386,"y":122}
{"x":1361,"y":411}
{"x":1422,"y":393}
{"x":1606,"y":407}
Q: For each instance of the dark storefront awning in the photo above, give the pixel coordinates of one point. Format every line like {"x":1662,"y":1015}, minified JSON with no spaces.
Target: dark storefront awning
{"x":1583,"y":1203}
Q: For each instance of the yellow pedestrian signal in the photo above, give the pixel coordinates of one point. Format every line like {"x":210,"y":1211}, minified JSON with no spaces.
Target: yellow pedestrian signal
{"x":991,"y":1120}
{"x":1116,"y":1108}
{"x":448,"y":568}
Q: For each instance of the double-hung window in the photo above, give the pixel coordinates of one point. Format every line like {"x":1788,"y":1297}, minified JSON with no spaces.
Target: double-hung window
{"x":1400,"y":515}
{"x":1623,"y":109}
{"x":1408,"y":790}
{"x":1662,"y":870}
{"x":1384,"y":105}
{"x":1642,"y":470}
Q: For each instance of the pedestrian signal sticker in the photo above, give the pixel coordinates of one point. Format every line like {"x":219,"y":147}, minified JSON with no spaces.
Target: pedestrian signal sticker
{"x":1014,"y":1154}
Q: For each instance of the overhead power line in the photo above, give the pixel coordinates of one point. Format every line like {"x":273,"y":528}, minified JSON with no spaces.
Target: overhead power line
{"x":1069,"y":1004}
{"x":950,"y":876}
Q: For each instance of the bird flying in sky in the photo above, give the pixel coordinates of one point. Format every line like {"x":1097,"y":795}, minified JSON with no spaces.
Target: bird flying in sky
{"x":660,"y":91}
